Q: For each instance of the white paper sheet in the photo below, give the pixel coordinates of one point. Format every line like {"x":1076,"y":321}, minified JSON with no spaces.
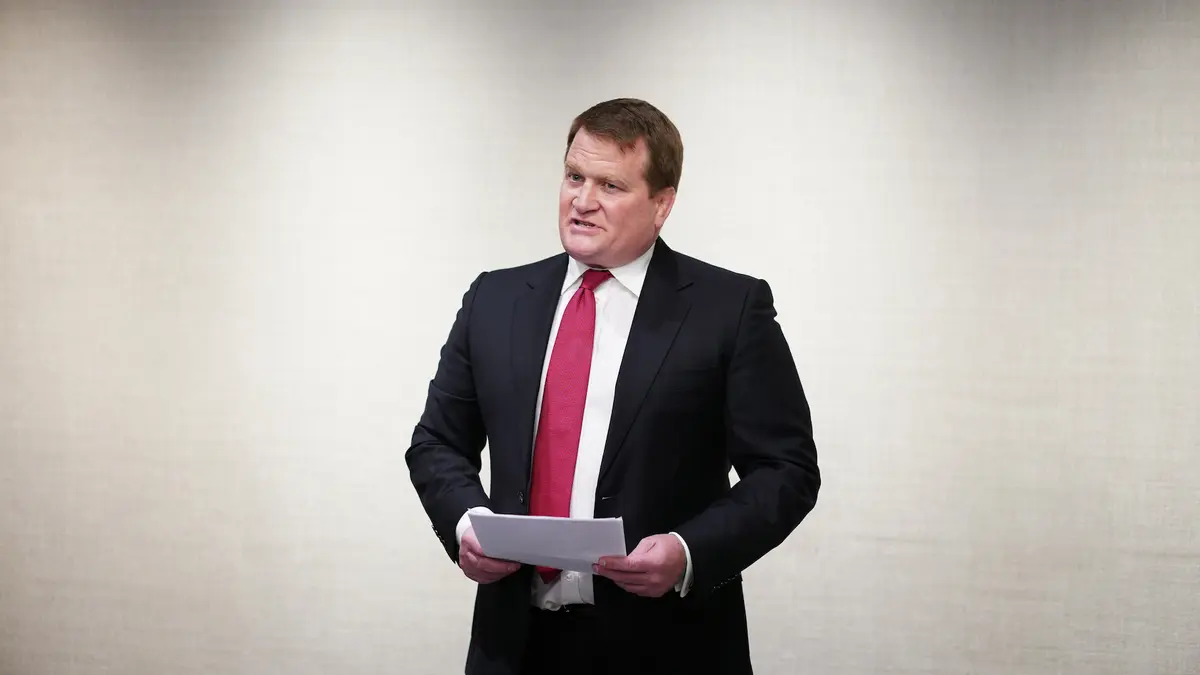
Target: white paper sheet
{"x":570,"y":544}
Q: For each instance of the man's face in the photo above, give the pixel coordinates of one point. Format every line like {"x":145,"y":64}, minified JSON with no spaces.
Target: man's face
{"x":606,"y":214}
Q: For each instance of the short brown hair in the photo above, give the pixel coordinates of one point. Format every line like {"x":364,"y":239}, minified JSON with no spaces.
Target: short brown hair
{"x":626,"y":120}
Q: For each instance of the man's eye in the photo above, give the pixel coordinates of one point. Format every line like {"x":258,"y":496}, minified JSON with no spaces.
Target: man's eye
{"x":574,"y":177}
{"x":611,"y":186}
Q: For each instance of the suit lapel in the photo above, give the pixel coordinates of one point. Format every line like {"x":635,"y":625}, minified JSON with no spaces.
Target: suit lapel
{"x":660,"y":311}
{"x":533,"y":315}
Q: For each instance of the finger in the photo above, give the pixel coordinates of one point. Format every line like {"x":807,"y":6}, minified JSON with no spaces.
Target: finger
{"x":469,"y":562}
{"x":621,"y":564}
{"x":649,"y":584}
{"x":482,"y":563}
{"x":621,"y":577}
{"x":470,"y":543}
{"x":644,"y":590}
{"x":650,"y":591}
{"x":494,"y":566}
{"x":487,"y":577}
{"x":635,"y":587}
{"x":617,"y":574}
{"x":467,"y":565}
{"x":478,"y":575}
{"x":643,"y":546}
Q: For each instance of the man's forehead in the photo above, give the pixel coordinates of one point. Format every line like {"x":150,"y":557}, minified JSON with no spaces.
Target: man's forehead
{"x":604,"y":150}
{"x":586,"y":141}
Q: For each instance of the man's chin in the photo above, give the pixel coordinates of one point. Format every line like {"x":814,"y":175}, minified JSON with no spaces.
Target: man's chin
{"x":584,"y":249}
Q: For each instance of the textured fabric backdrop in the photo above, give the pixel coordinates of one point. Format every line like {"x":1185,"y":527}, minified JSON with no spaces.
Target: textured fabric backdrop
{"x":233,"y":237}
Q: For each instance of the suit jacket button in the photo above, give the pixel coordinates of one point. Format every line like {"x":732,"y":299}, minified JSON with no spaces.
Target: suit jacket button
{"x":521,"y":497}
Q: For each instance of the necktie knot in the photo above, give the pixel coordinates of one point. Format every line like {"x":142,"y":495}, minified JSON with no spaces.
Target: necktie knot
{"x":593,"y":278}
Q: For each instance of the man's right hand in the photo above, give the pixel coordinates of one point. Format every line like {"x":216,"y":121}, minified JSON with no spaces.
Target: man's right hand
{"x":477,"y":566}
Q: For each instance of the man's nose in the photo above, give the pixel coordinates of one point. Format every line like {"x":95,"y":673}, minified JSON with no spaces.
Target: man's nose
{"x":585,"y":197}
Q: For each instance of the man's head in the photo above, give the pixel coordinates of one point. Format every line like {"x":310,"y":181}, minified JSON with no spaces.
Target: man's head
{"x":620,"y":177}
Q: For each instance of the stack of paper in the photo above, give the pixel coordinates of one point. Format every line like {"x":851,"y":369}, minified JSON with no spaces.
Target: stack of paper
{"x":570,"y":544}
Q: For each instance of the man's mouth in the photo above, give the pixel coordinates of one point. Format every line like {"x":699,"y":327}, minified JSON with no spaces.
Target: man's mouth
{"x":581,"y":223}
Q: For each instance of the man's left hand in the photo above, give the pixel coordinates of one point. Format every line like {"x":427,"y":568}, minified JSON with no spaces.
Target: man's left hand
{"x":650,"y":570}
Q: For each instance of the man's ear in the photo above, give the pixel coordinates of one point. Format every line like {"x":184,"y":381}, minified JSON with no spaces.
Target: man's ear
{"x":663,"y":201}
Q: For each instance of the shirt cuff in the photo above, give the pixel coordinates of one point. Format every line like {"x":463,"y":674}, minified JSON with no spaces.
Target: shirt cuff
{"x":685,"y":584}
{"x":464,"y":523}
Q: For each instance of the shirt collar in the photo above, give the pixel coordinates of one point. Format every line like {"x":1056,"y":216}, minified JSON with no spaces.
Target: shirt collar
{"x":631,"y":275}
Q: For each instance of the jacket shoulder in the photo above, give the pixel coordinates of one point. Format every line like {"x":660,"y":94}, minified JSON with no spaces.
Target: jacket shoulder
{"x":708,"y":274}
{"x":529,"y":272}
{"x":499,"y":282}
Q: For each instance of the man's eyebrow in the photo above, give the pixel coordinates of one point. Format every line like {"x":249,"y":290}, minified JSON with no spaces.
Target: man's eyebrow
{"x":603,"y":178}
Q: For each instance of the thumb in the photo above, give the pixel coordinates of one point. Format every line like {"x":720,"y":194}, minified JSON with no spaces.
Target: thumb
{"x":644,"y":546}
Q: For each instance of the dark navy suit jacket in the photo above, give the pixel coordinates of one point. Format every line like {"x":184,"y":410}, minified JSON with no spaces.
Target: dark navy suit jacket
{"x":707,"y":382}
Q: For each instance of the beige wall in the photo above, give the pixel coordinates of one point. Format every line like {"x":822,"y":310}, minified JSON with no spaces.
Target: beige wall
{"x":232,"y":240}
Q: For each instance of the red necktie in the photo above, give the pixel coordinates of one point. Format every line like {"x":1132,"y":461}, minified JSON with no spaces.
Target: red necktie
{"x":563,"y":398}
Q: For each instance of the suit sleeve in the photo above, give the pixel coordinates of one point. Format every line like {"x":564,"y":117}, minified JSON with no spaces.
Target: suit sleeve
{"x":770,"y":444}
{"x":447,"y":445}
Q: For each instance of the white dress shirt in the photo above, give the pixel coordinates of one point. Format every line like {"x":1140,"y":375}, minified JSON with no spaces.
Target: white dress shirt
{"x":616,"y":301}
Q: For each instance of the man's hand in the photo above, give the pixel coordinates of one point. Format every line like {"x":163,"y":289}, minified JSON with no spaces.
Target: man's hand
{"x":651,"y":570}
{"x":477,"y":566}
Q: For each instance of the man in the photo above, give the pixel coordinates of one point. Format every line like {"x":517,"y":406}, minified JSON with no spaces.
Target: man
{"x":618,"y":378}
